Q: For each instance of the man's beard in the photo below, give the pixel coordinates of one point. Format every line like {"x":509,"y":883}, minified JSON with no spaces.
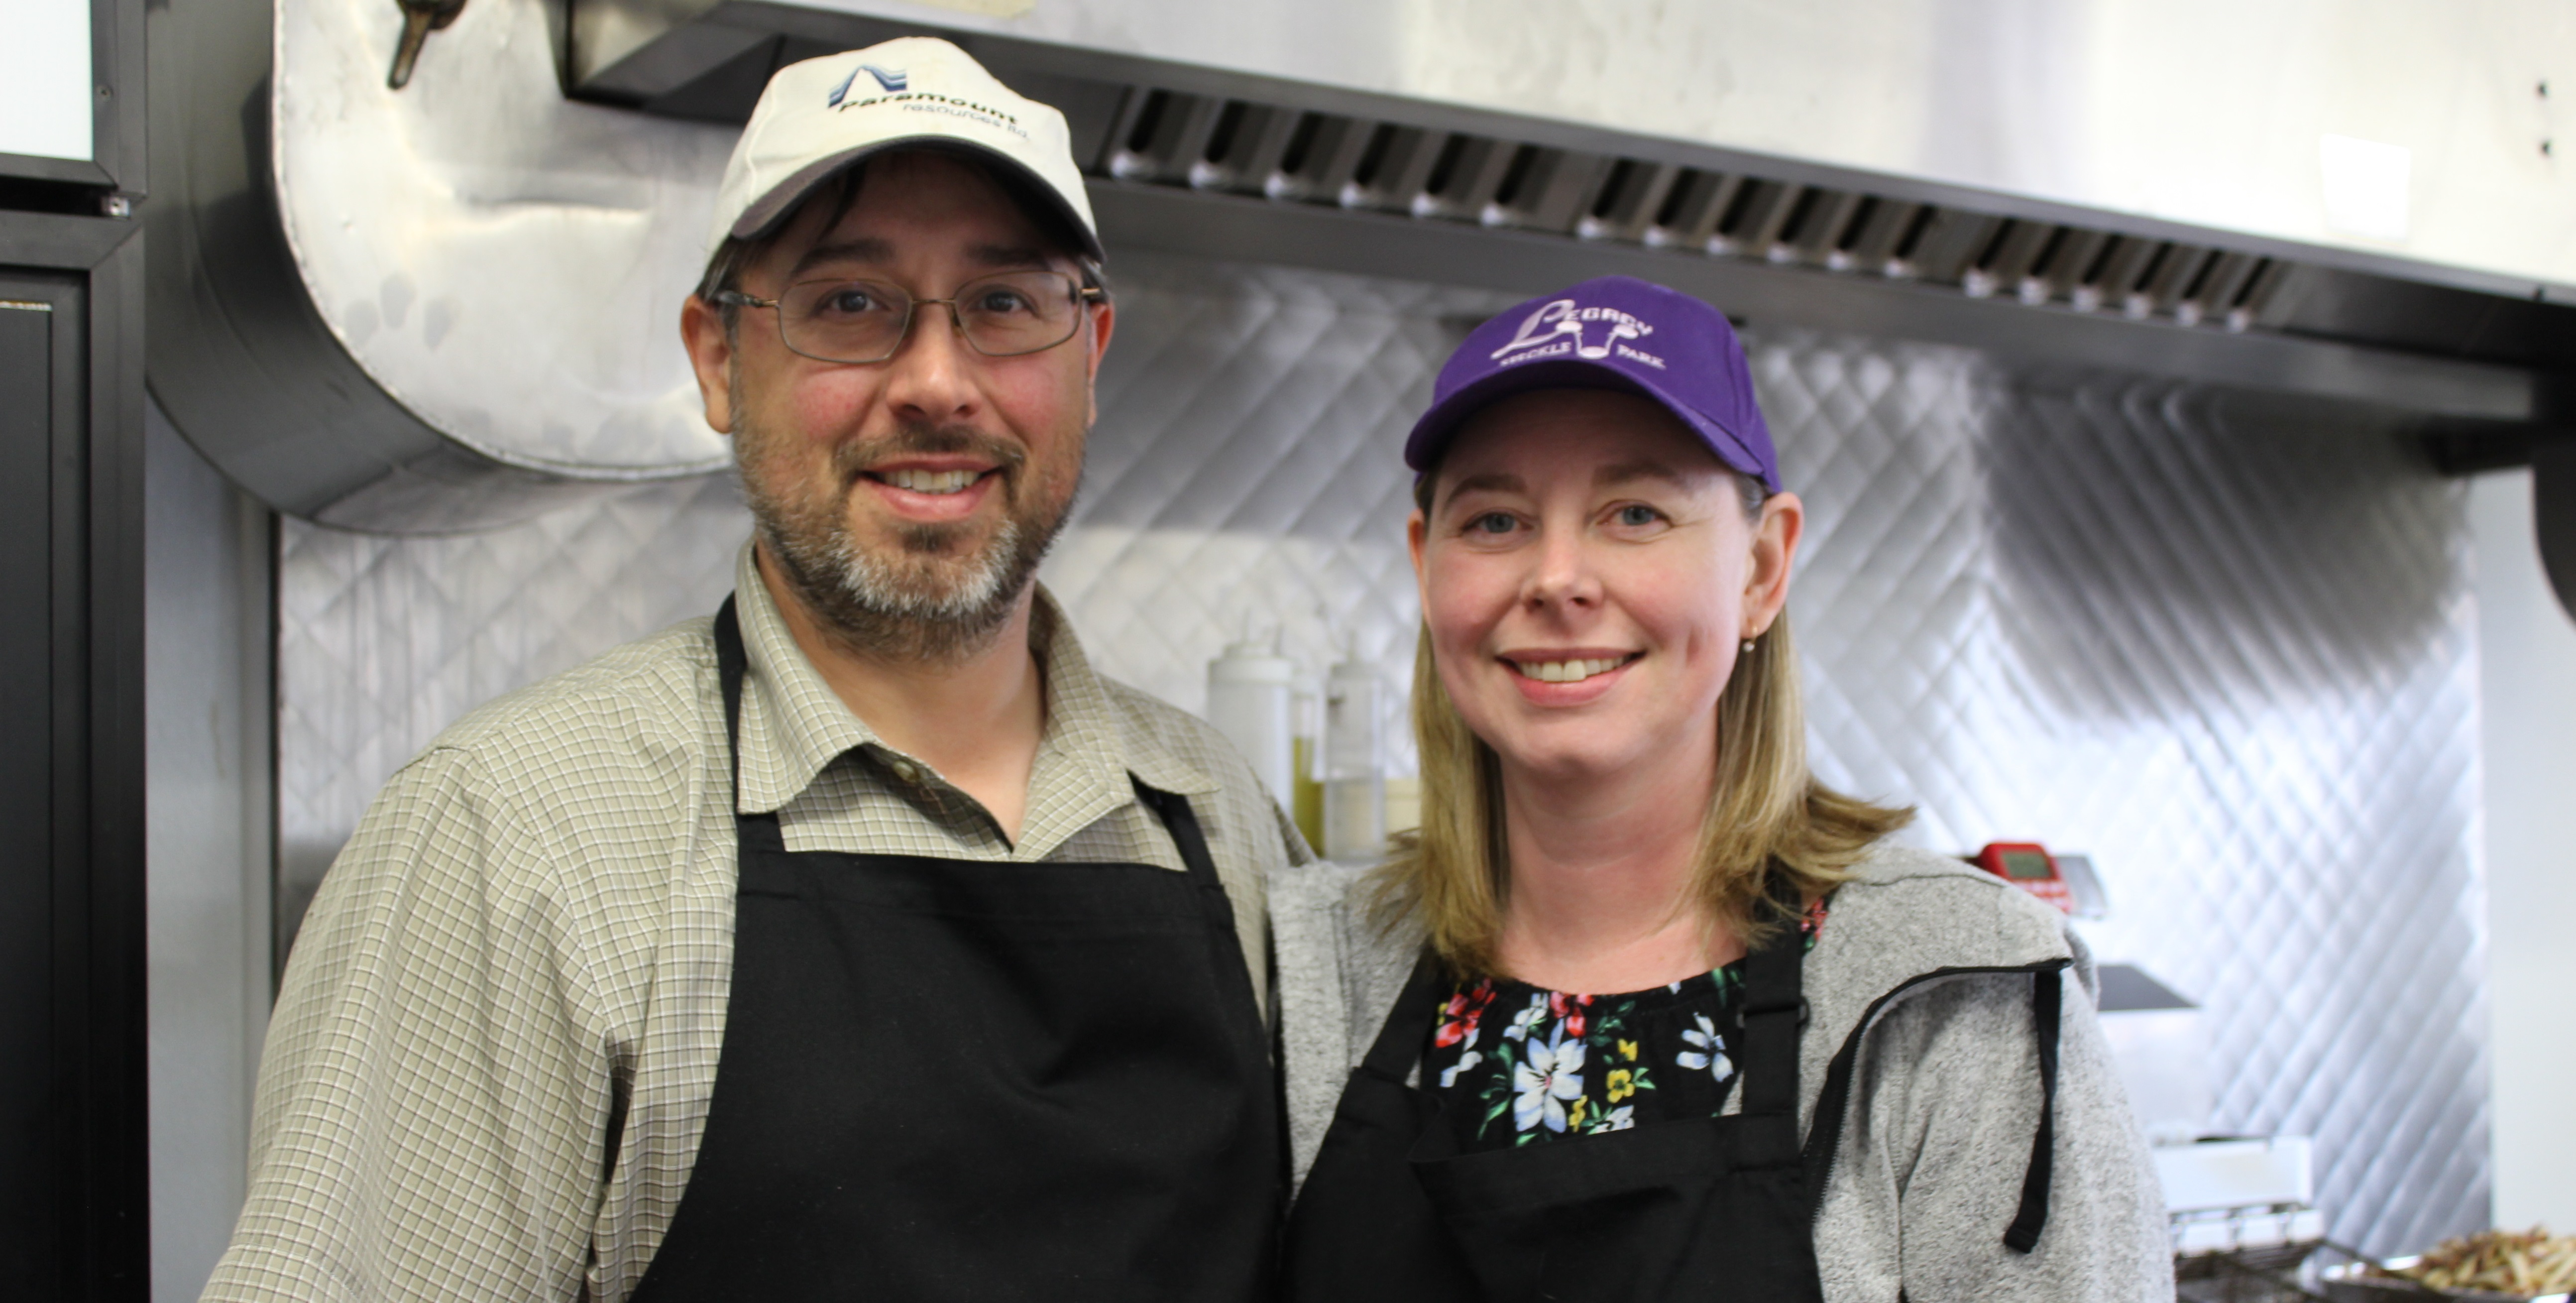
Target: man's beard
{"x":928,"y":599}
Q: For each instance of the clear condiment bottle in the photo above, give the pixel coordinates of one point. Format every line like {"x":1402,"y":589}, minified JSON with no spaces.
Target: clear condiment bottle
{"x":1354,"y":768}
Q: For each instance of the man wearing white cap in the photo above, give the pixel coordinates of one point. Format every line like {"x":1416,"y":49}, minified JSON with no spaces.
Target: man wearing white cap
{"x":860,"y":942}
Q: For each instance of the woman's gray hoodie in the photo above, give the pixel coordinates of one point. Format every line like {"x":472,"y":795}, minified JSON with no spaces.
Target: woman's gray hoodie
{"x":1945,"y":1097}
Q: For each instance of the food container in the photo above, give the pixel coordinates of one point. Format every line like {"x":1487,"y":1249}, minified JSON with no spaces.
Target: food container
{"x":2353,"y":1283}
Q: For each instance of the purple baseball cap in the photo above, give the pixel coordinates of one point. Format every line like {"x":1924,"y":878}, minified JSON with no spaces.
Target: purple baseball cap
{"x":1611,"y":332}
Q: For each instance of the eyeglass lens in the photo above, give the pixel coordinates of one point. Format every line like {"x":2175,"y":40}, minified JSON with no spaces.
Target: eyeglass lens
{"x":864,"y":321}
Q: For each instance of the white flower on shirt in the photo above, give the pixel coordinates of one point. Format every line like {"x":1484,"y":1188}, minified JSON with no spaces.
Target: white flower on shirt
{"x":1527,"y":1020}
{"x":1546,"y":1077}
{"x":1617,"y":1119}
{"x":1710,"y":1052}
{"x":1449,"y":1075}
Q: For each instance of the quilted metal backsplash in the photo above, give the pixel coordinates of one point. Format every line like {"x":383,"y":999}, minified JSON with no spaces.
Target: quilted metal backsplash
{"x":2225,"y":646}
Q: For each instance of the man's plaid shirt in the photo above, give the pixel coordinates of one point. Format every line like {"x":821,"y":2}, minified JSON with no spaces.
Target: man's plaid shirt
{"x":491,"y":1060}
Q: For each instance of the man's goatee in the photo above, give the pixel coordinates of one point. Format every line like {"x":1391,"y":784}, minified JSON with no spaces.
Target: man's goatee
{"x":923,"y":601}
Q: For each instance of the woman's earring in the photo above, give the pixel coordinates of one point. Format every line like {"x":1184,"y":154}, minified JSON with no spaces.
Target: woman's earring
{"x":1748,"y":646}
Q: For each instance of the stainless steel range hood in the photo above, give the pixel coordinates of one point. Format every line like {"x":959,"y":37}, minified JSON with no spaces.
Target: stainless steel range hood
{"x":326,"y":223}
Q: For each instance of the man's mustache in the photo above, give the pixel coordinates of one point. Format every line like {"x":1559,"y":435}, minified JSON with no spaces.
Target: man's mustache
{"x":852,"y":458}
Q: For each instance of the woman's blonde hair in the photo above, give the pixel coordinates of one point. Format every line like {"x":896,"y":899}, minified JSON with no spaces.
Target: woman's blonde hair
{"x":1772,"y":832}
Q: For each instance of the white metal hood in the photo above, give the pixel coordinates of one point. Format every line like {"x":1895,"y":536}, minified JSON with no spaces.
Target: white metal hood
{"x":451,"y":305}
{"x":2216,"y":113}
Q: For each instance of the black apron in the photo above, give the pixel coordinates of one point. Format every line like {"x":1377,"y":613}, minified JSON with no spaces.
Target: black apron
{"x":1711,"y":1210}
{"x":952,"y":1079}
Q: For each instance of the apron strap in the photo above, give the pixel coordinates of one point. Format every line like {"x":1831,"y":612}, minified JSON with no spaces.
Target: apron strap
{"x":1183,"y":823}
{"x":760,"y":830}
{"x":2047,"y":994}
{"x":1399,"y":1038}
{"x":1773,"y":1014}
{"x":731,"y":666}
{"x":2047,"y":1004}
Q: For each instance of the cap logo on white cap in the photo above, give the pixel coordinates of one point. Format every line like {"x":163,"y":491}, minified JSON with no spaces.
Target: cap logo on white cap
{"x":1556,"y":329}
{"x":891,"y":81}
{"x":820,"y":116}
{"x":921,"y":101}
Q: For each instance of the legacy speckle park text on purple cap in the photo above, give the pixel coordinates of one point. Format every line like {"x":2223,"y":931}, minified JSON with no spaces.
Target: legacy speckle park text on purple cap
{"x":1612,"y":332}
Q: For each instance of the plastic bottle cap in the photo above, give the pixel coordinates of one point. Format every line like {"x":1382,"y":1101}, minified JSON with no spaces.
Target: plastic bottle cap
{"x":1251,"y":662}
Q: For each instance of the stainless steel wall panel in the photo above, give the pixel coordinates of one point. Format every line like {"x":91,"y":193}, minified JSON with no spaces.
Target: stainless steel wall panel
{"x":2224,"y":645}
{"x":383,"y":641}
{"x":2247,"y":631}
{"x":207,"y":804}
{"x":1247,"y":476}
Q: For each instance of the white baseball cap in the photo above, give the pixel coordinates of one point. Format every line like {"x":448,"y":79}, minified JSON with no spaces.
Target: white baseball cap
{"x":822,"y":115}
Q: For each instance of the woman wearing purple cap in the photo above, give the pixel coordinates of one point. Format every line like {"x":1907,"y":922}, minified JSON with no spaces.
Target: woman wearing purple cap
{"x":1644,"y":1011}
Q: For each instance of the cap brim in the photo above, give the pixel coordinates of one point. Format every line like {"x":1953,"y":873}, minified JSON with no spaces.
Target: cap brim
{"x":766,"y":212}
{"x":1432,"y":433}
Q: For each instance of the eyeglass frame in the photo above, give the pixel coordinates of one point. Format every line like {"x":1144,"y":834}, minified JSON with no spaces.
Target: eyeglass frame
{"x":1082,"y":294}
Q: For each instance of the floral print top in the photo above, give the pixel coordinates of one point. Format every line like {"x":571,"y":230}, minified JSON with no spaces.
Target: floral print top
{"x":1516,"y":1065}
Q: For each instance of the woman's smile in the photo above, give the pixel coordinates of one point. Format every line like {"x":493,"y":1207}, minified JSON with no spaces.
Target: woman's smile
{"x":1561,"y":677}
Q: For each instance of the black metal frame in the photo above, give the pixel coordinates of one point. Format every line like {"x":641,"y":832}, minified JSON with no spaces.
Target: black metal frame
{"x":90,"y":271}
{"x":117,"y":124}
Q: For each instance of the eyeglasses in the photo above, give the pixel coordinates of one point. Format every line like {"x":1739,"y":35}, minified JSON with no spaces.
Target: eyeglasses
{"x":861,"y":321}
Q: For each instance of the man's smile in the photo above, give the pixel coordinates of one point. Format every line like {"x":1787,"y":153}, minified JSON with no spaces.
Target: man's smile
{"x":930,"y":488}
{"x":934,"y":482}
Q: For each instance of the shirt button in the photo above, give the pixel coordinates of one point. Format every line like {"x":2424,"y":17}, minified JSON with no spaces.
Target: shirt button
{"x":907,"y":771}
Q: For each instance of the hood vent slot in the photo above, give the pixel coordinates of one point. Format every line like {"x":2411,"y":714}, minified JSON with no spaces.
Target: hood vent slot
{"x":1243,"y":147}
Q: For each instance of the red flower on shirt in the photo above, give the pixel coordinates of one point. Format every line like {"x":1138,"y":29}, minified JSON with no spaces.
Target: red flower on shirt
{"x":1568,"y":1008}
{"x":1459,"y":1017}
